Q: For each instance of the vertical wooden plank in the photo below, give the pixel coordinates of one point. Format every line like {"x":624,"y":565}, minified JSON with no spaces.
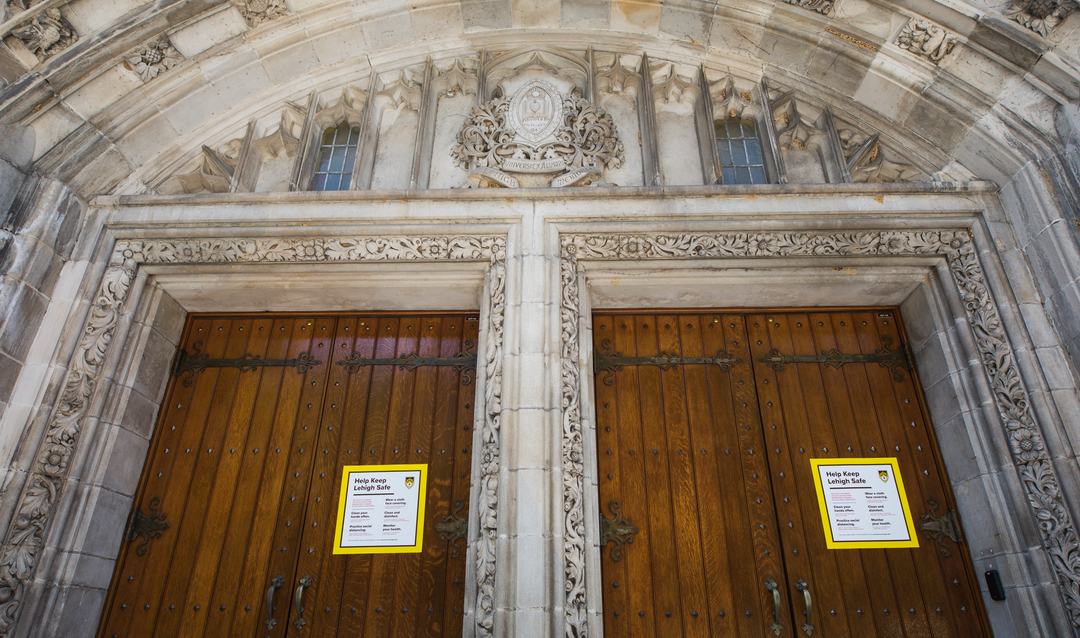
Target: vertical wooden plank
{"x":464,"y":385}
{"x":635,"y":497}
{"x":355,"y":570}
{"x":140,"y":575}
{"x":615,"y":584}
{"x":676,"y":446}
{"x":194,"y":493}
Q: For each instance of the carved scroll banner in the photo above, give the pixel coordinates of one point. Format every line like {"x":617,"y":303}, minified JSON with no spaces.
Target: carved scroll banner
{"x":42,"y":491}
{"x":1036,"y":472}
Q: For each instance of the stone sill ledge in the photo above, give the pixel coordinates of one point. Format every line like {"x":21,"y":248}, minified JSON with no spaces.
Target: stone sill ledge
{"x":551,"y":194}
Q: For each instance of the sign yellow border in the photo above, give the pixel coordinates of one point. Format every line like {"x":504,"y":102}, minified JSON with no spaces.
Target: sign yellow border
{"x":913,"y":539}
{"x":420,"y":519}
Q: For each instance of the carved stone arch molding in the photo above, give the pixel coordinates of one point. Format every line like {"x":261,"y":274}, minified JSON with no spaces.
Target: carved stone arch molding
{"x":995,"y":353}
{"x":87,"y":383}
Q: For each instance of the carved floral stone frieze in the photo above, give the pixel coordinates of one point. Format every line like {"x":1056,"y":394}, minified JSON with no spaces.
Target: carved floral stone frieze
{"x":257,"y":12}
{"x":47,"y":34}
{"x":1041,"y":16}
{"x":42,"y":490}
{"x":539,"y":132}
{"x":151,"y":60}
{"x":1037,"y":475}
{"x":926,"y":39}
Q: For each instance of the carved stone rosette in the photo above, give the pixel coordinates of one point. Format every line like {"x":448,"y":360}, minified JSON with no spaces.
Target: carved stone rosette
{"x":151,"y":60}
{"x":1041,"y":16}
{"x":40,"y":496}
{"x":1036,"y":472}
{"x":926,"y":39}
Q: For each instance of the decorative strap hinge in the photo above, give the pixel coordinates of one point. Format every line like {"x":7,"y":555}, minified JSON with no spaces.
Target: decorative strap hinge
{"x":464,"y":361}
{"x":937,"y":528}
{"x":146,"y":526}
{"x":885,"y":357}
{"x":616,"y":529}
{"x":609,"y":362}
{"x":190,"y":364}
{"x":453,"y":527}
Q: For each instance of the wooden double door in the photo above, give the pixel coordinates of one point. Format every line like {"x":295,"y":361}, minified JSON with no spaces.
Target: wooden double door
{"x":245,"y":470}
{"x":710,"y":517}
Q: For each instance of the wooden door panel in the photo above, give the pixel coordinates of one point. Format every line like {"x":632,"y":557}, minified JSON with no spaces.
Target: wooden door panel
{"x":247,"y":466}
{"x":213,"y":486}
{"x":728,"y":495}
{"x":675,"y":447}
{"x":794,"y":401}
{"x":860,"y":410}
{"x":389,"y":415}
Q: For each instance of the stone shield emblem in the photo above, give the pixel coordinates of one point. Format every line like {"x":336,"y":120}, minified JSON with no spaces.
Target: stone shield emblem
{"x":536,"y":111}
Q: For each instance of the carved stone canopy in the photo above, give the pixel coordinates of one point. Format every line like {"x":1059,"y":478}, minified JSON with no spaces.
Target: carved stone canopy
{"x":538,"y":132}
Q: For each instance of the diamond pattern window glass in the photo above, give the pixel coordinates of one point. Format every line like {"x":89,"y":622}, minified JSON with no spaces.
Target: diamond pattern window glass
{"x":336,"y":158}
{"x":740,"y":152}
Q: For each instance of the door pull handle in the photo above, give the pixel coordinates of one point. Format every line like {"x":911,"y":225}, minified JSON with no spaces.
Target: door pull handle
{"x":299,"y":623}
{"x":801,"y":585}
{"x":270,"y":621}
{"x":770,"y":585}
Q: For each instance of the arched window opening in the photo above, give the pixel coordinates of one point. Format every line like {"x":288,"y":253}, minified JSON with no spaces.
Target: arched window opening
{"x":740,"y":152}
{"x":336,"y":158}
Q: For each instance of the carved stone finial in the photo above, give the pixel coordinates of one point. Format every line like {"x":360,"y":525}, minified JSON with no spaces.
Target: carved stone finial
{"x":1041,"y":15}
{"x":821,"y":6}
{"x":675,"y":90}
{"x":256,"y":12}
{"x":151,"y":60}
{"x":926,"y":39}
{"x":47,"y":34}
{"x":457,"y":79}
{"x":539,"y":132}
{"x":616,"y":79}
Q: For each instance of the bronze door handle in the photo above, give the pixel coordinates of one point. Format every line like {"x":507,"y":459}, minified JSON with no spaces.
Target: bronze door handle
{"x":770,"y":585}
{"x":801,"y":585}
{"x":270,"y":621}
{"x":299,"y":623}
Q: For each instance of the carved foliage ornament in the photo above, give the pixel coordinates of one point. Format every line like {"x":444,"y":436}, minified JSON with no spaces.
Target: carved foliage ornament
{"x":926,"y":39}
{"x":488,"y":493}
{"x":47,"y":34}
{"x":40,"y":496}
{"x":1041,"y":15}
{"x":256,"y":12}
{"x":151,"y":60}
{"x":821,"y":6}
{"x":1037,"y":475}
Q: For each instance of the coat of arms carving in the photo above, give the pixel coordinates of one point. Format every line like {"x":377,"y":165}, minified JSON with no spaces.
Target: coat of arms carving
{"x":539,"y":131}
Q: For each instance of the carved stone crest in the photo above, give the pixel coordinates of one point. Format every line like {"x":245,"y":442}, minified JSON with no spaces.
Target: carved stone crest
{"x":538,"y":132}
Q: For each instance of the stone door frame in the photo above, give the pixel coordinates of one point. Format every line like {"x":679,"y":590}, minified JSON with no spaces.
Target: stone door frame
{"x":967,"y":334}
{"x":41,"y":564}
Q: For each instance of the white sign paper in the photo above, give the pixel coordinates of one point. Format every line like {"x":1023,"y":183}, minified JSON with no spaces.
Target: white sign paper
{"x":381,"y":509}
{"x":863,"y":503}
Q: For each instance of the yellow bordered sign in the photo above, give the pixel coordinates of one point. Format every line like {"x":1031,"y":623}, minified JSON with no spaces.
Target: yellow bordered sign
{"x":863,"y":503}
{"x":381,"y":509}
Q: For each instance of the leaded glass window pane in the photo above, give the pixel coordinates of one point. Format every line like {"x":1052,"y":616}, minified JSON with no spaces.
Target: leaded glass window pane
{"x":336,"y":157}
{"x":741,"y":161}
